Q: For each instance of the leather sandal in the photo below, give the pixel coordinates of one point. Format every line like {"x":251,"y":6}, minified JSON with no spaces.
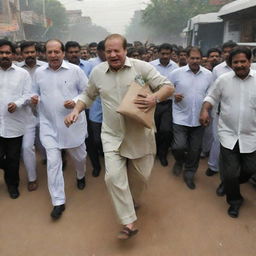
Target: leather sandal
{"x":32,"y":185}
{"x":126,"y":233}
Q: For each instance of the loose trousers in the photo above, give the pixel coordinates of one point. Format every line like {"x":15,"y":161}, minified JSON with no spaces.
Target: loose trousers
{"x":187,"y":146}
{"x":30,"y":140}
{"x":163,"y":121}
{"x":126,"y":179}
{"x":236,"y":168}
{"x":10,"y":149}
{"x":213,"y":161}
{"x":55,"y":173}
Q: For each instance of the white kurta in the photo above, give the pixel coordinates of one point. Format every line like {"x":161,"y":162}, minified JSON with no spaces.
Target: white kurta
{"x":15,"y":86}
{"x":55,"y":87}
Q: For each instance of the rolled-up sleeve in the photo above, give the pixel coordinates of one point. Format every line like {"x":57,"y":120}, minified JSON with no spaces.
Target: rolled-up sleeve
{"x":214,"y":94}
{"x":153,"y":77}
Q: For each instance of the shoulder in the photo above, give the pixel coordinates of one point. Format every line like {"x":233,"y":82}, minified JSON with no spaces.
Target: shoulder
{"x":206,"y":71}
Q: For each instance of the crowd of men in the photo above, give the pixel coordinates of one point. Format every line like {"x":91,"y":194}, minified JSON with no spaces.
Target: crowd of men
{"x":203,"y":107}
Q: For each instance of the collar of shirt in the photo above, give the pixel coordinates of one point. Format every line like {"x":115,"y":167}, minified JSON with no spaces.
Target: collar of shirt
{"x":167,"y":66}
{"x":13,"y":66}
{"x":38,"y":64}
{"x":187,"y":68}
{"x":64,"y":65}
{"x":127,"y":63}
{"x":250,"y":74}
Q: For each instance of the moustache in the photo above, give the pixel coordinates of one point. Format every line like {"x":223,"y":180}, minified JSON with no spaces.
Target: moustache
{"x":5,"y":59}
{"x":30,"y":58}
{"x":240,"y":68}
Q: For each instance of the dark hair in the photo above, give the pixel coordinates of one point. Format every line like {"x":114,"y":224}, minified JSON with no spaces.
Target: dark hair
{"x":194,"y":49}
{"x":93,"y":44}
{"x":182,"y":50}
{"x":254,"y":52}
{"x":26,"y":44}
{"x":213,"y":50}
{"x":9,"y":43}
{"x":101,"y":46}
{"x":237,"y":50}
{"x":229,"y":44}
{"x":62,"y":47}
{"x":70,"y":44}
{"x":113,"y":36}
{"x":165,"y":46}
{"x":131,"y":51}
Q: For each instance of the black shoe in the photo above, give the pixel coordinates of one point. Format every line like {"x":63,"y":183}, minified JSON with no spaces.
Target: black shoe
{"x":177,"y":169}
{"x":233,"y":211}
{"x":13,"y":192}
{"x":163,"y":160}
{"x":220,"y":191}
{"x":57,"y":211}
{"x":80,"y":183}
{"x":96,"y":172}
{"x":209,"y":172}
{"x":190,"y":182}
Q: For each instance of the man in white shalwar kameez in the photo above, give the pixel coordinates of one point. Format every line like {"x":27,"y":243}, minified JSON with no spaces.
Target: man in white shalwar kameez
{"x":57,"y":85}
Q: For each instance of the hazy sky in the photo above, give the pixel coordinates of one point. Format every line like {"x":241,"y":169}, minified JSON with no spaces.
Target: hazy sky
{"x":114,"y":15}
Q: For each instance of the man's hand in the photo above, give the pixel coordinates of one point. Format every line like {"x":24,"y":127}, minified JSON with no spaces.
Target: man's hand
{"x":71,"y":118}
{"x":145,"y":101}
{"x":178,"y":97}
{"x":204,"y":117}
{"x":12,"y":107}
{"x":69,"y":104}
{"x":34,"y":99}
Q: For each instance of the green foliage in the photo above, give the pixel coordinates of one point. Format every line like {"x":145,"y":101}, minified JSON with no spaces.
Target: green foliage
{"x":56,"y":12}
{"x":171,"y":16}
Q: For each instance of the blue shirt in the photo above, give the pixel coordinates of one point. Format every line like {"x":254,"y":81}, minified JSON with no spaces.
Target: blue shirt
{"x":95,"y":113}
{"x":164,"y":70}
{"x":194,"y":88}
{"x":85,"y":65}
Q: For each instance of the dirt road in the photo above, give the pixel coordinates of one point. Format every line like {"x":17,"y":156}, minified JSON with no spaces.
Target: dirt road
{"x":173,"y":220}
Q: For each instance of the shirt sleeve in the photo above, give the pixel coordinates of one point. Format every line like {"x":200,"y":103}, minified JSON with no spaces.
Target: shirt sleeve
{"x":26,"y":84}
{"x":214,"y":94}
{"x":153,"y":77}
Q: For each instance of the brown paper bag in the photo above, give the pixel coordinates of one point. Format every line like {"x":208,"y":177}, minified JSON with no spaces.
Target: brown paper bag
{"x":129,"y":109}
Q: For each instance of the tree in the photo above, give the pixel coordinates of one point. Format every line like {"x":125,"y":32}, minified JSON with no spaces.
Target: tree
{"x":169,"y":17}
{"x":56,"y":15}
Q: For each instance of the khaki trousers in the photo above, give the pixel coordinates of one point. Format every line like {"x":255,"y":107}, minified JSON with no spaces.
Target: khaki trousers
{"x":126,"y":179}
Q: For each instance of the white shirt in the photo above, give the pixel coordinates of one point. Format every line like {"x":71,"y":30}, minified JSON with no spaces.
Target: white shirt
{"x":54,"y":87}
{"x":194,"y":88}
{"x":15,"y":86}
{"x":220,"y":69}
{"x":253,"y":66}
{"x":31,"y":110}
{"x":164,"y":70}
{"x":237,"y":120}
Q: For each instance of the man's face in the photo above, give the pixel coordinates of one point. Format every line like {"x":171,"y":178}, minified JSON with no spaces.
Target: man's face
{"x":194,"y":60}
{"x":84,"y":54}
{"x":29,"y":54}
{"x":73,"y":55}
{"x":93,"y":50}
{"x":6,"y":56}
{"x":115,"y":53}
{"x":54,"y":54}
{"x":241,"y":65}
{"x":18,"y":55}
{"x":183,"y":58}
{"x":174,"y":57}
{"x":226,"y":51}
{"x":214,"y":58}
{"x":101,"y":55}
{"x":165,"y":56}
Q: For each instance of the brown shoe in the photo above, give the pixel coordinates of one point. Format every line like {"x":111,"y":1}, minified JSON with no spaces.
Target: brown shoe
{"x":32,"y":185}
{"x":126,"y":233}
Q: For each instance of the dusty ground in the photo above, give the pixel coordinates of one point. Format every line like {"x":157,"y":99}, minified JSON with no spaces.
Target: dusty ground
{"x":173,"y":220}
